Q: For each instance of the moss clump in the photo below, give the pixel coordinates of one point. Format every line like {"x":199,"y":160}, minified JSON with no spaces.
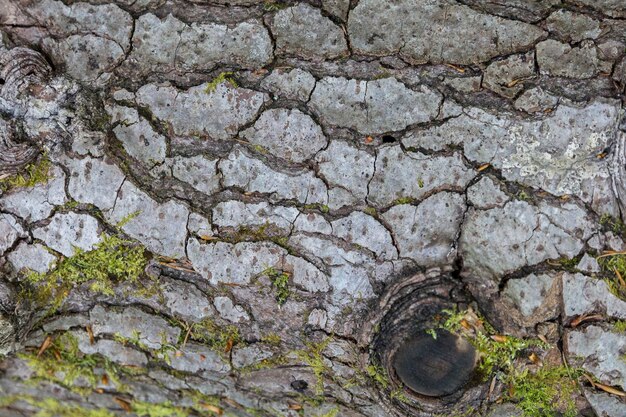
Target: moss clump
{"x":224,"y":77}
{"x":620,"y":326}
{"x":51,"y":407}
{"x":64,"y":364}
{"x":378,"y":375}
{"x":403,"y":200}
{"x":273,"y":5}
{"x":614,"y":264}
{"x":272,"y":339}
{"x":36,"y":173}
{"x":523,"y":196}
{"x":313,"y":357}
{"x":612,"y":224}
{"x":219,"y":338}
{"x":280,"y":282}
{"x":164,"y":409}
{"x":331,"y":413}
{"x":371,"y":211}
{"x":110,"y":261}
{"x":543,"y":392}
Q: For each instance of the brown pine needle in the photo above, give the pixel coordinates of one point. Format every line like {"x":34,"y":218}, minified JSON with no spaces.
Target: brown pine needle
{"x":90,"y":333}
{"x":45,"y":345}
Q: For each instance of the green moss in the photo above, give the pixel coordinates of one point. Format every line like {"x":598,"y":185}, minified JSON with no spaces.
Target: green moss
{"x":224,"y":77}
{"x":614,"y":266}
{"x":313,"y":356}
{"x":272,"y":339}
{"x":164,"y":409}
{"x":620,"y":326}
{"x":36,"y":173}
{"x":523,"y":195}
{"x":546,"y":391}
{"x":495,"y":355}
{"x":612,"y":224}
{"x":133,"y":340}
{"x":260,"y":149}
{"x":378,"y":375}
{"x":218,"y":338}
{"x":268,"y":363}
{"x":273,"y":5}
{"x":570,"y":264}
{"x":420,"y":183}
{"x":371,"y":211}
{"x":63,"y":363}
{"x":399,"y":395}
{"x":109,"y":262}
{"x":403,"y":200}
{"x":51,"y":407}
{"x":280,"y":283}
{"x":331,"y":413}
{"x":321,"y":207}
{"x":539,"y":393}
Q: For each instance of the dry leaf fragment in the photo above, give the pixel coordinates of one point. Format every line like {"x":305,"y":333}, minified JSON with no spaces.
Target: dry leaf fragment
{"x":105,"y":379}
{"x":99,"y":391}
{"x":499,"y":338}
{"x":585,"y":317}
{"x":44,"y":345}
{"x":534,"y":358}
{"x":543,"y":339}
{"x":90,"y":333}
{"x":212,"y":408}
{"x":229,"y":345}
{"x":123,"y":403}
{"x":483,"y":167}
{"x":458,"y":69}
{"x":610,"y":389}
{"x":295,"y":407}
{"x":369,"y":139}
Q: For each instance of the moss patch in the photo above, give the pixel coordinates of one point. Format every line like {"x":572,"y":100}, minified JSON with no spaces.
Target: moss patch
{"x":36,"y":173}
{"x":112,"y":260}
{"x":64,"y":364}
{"x":541,"y":392}
{"x":51,"y":407}
{"x":219,"y":338}
{"x":280,"y":283}
{"x":224,"y":77}
{"x":313,"y":357}
{"x":614,"y":266}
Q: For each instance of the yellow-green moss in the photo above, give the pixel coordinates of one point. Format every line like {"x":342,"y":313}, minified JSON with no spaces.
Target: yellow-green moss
{"x":620,"y":326}
{"x":63,"y":363}
{"x":36,"y":173}
{"x":272,"y":339}
{"x":164,"y":409}
{"x":403,"y":200}
{"x":216,"y":337}
{"x":111,"y":261}
{"x":51,"y":407}
{"x":280,"y":283}
{"x":223,"y":77}
{"x":538,"y":393}
{"x":378,"y":375}
{"x":313,"y":357}
{"x":614,"y":266}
